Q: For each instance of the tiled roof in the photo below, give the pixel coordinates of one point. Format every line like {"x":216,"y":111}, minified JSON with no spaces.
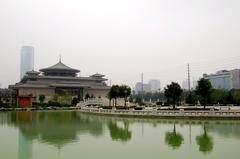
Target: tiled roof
{"x":59,"y":66}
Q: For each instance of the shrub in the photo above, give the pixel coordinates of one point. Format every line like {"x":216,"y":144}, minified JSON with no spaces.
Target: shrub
{"x":159,"y":103}
{"x":53,"y":103}
{"x":138,"y":108}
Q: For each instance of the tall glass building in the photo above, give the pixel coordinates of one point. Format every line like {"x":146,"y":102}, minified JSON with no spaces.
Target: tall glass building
{"x":27,"y":60}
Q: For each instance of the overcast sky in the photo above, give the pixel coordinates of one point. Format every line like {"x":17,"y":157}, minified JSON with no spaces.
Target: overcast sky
{"x":122,"y":38}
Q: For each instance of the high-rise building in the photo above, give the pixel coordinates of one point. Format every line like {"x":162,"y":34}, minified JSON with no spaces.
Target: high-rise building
{"x":155,"y":85}
{"x":225,"y":80}
{"x":27,"y":60}
{"x":142,"y":87}
{"x":221,"y":80}
{"x":235,"y":79}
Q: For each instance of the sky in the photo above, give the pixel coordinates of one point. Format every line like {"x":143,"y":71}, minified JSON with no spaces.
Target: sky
{"x":122,"y":38}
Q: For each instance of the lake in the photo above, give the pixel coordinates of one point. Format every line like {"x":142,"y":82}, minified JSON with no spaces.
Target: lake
{"x":73,"y":135}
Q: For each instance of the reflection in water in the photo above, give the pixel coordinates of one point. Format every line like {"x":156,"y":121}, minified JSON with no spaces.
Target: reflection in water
{"x":24,"y":147}
{"x":205,"y":142}
{"x":117,"y":133}
{"x":61,"y":128}
{"x":225,"y":129}
{"x":174,"y":139}
{"x":53,"y":128}
{"x":56,"y":128}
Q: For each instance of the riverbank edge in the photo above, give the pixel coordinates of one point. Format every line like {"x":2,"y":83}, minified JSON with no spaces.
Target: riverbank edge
{"x":38,"y":109}
{"x":127,"y":113}
{"x":154,"y":116}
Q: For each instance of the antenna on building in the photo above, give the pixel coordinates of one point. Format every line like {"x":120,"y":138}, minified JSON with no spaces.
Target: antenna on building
{"x":189,"y":84}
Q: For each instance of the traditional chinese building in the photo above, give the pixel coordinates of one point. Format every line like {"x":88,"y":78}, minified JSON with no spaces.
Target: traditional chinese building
{"x":60,"y":79}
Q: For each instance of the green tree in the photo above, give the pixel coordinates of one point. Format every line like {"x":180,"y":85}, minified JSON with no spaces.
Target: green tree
{"x":230,"y":98}
{"x":217,"y":96}
{"x":204,"y":89}
{"x":66,"y":98}
{"x":55,"y":98}
{"x":114,"y":93}
{"x":41,"y":98}
{"x":174,"y":139}
{"x":75,"y":101}
{"x":191,"y":98}
{"x":124,"y":92}
{"x":173,"y":93}
{"x":87,"y":96}
{"x":205,"y":142}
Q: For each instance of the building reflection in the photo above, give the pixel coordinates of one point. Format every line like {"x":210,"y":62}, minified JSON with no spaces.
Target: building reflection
{"x":24,"y":147}
{"x":52,"y":128}
{"x":61,"y":128}
{"x":229,"y":130}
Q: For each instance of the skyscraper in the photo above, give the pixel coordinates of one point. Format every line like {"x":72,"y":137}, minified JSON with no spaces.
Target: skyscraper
{"x":155,"y":85}
{"x":27,"y":60}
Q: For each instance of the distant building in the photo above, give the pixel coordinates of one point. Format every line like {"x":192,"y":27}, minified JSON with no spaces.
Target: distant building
{"x":139,"y":87}
{"x":235,"y":79}
{"x":155,"y":85}
{"x":27,"y":60}
{"x":194,"y":84}
{"x":185,"y":84}
{"x":224,"y":79}
{"x":7,"y":96}
{"x":58,"y":79}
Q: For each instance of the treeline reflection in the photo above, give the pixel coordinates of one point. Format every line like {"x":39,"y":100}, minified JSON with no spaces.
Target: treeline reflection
{"x":61,"y":128}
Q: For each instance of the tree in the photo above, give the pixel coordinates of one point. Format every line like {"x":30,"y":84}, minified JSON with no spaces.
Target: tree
{"x":41,"y":98}
{"x":229,"y":98}
{"x":87,"y":96}
{"x":66,"y":98}
{"x":173,"y":93}
{"x":204,"y":89}
{"x":124,"y":92}
{"x":114,"y":93}
{"x":109,"y":96}
{"x":174,"y":139}
{"x":55,"y":98}
{"x":75,"y":101}
{"x":191,"y":98}
{"x":205,"y":142}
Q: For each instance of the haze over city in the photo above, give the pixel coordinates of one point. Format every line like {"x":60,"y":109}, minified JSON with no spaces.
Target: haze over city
{"x":122,"y":39}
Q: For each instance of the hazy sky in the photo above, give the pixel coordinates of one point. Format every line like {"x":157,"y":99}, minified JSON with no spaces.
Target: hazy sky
{"x":122,"y":38}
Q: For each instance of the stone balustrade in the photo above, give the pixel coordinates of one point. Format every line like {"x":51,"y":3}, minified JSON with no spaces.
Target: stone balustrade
{"x":219,"y":114}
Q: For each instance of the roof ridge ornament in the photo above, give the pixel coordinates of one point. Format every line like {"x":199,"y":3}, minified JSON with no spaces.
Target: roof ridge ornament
{"x":60,"y":58}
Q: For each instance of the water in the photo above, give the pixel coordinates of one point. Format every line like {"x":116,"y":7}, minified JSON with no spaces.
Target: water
{"x":72,"y":135}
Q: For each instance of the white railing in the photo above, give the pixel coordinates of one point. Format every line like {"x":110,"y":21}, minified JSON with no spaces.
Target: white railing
{"x":166,"y":113}
{"x":98,"y":101}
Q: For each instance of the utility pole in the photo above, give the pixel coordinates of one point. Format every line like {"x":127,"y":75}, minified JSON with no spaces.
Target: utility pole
{"x":142,"y":85}
{"x":189,"y":84}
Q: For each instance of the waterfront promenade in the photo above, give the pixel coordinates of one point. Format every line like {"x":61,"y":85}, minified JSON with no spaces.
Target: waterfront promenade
{"x":223,"y":113}
{"x":184,"y":114}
